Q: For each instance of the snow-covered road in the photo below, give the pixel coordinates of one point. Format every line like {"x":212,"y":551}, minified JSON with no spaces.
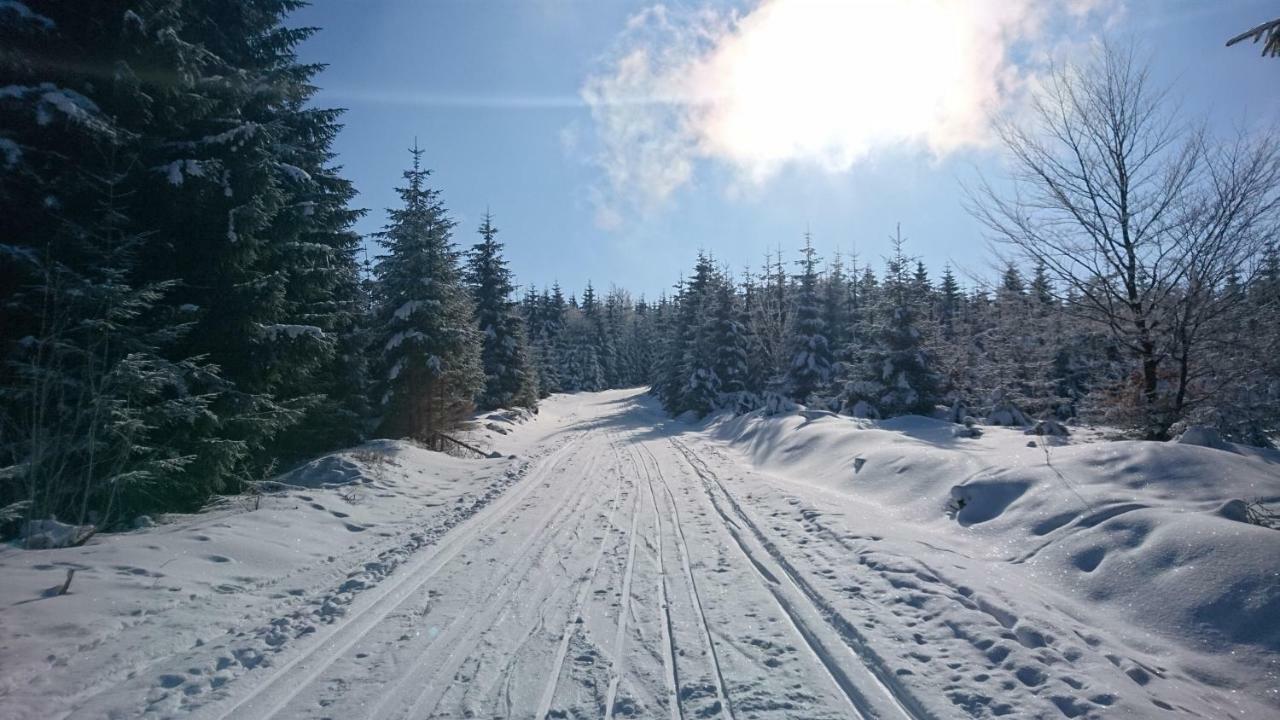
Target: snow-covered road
{"x":623,"y":564}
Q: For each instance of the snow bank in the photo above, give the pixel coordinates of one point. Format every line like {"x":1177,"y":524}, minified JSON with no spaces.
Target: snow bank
{"x":169,"y":605}
{"x":1135,"y":541}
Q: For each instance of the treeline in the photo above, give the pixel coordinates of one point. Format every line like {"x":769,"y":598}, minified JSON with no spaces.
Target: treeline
{"x":185,"y":306}
{"x":841,"y":336}
{"x":1142,"y":288}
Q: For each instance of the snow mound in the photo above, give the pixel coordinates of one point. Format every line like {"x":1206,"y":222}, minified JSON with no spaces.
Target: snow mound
{"x":46,"y":534}
{"x":326,"y":472}
{"x":984,"y":500}
{"x":1144,"y":539}
{"x":1203,"y":437}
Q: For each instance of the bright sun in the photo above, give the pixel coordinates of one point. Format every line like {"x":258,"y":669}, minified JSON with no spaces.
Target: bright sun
{"x":830,"y":80}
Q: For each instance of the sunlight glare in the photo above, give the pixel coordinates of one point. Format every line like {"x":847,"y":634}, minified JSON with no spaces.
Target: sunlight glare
{"x":828,"y":81}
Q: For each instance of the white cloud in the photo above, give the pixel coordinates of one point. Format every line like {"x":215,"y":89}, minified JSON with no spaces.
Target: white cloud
{"x":806,"y":82}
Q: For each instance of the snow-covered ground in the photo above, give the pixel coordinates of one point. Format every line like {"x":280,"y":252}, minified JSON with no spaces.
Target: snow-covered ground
{"x":616,"y":563}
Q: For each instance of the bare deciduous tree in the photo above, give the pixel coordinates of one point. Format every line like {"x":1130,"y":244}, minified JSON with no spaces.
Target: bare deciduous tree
{"x":1137,"y":214}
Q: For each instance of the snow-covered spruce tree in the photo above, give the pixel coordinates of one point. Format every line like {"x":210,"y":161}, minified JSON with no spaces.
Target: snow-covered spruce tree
{"x":618,"y":313}
{"x":835,"y":305}
{"x":642,"y":344}
{"x":426,"y":335}
{"x":895,"y":376}
{"x":510,"y":381}
{"x":699,"y":386}
{"x":810,"y":366}
{"x":949,"y":301}
{"x":730,"y":345}
{"x":600,"y":338}
{"x":91,"y":293}
{"x":757,"y":367}
{"x":544,"y":319}
{"x":669,"y":374}
{"x":772,"y":318}
{"x":579,"y":355}
{"x":97,"y":424}
{"x":665,"y":371}
{"x":239,"y":204}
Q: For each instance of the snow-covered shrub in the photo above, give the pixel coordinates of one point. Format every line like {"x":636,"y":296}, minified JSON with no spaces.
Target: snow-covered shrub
{"x":1004,"y":412}
{"x":48,"y":534}
{"x":1049,"y":428}
{"x":777,"y":404}
{"x":1203,"y":436}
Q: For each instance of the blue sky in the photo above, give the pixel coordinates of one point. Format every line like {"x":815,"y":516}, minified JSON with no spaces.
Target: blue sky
{"x":581,"y":124}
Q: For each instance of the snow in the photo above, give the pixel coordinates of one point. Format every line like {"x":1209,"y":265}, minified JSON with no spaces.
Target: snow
{"x":159,"y":601}
{"x":616,"y":562}
{"x":396,"y":340}
{"x":178,"y":170}
{"x":395,"y":370}
{"x":11,"y":150}
{"x":293,"y":332}
{"x":236,"y":135}
{"x":73,"y":105}
{"x":1090,"y":556}
{"x":70,"y":103}
{"x":38,"y":534}
{"x":294,"y":173}
{"x":26,"y":13}
{"x":408,"y":309}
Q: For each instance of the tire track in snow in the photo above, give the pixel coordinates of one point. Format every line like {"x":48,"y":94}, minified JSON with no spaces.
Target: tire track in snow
{"x":275,"y":692}
{"x":682,"y":545}
{"x":575,"y":613}
{"x":437,"y":680}
{"x":901,"y":703}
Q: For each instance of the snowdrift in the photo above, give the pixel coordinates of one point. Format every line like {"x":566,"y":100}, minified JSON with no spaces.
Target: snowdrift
{"x":1139,"y":541}
{"x":282,"y":562}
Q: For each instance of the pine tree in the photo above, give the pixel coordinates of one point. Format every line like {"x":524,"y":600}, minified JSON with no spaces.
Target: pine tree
{"x":509,"y":379}
{"x":810,"y":366}
{"x":426,"y":334}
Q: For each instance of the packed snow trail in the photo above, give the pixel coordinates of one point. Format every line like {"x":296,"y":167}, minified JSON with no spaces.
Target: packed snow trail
{"x":620,"y":564}
{"x":603,"y":583}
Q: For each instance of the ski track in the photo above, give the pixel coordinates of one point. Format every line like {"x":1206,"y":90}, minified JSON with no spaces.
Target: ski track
{"x":670,"y":673}
{"x":902,"y":704}
{"x":277,"y":692}
{"x":513,"y":575}
{"x":682,"y":546}
{"x":620,"y":637}
{"x":553,"y":678}
{"x":483,"y":619}
{"x":622,"y":565}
